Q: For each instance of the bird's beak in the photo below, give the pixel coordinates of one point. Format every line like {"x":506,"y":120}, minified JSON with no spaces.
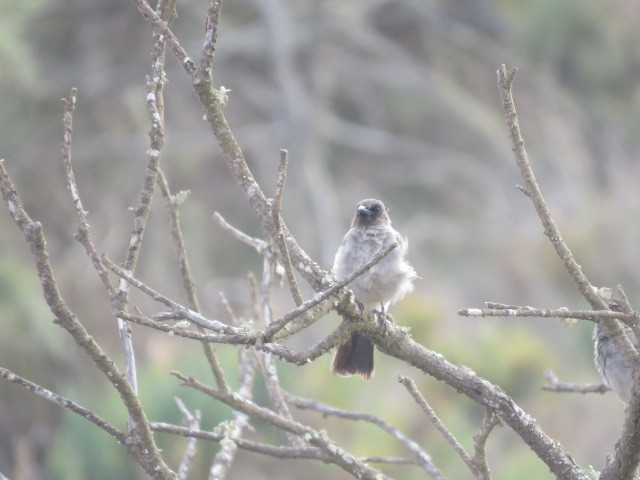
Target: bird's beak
{"x":362,"y":210}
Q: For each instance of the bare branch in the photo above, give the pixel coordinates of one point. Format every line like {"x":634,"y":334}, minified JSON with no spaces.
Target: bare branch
{"x":279,"y":238}
{"x":563,"y":312}
{"x":189,"y":314}
{"x":505,"y":82}
{"x":253,"y":337}
{"x":210,"y":38}
{"x":395,"y":341}
{"x":143,"y":448}
{"x":282,"y":177}
{"x":628,"y":451}
{"x":423,"y":458}
{"x":334,"y":452}
{"x":193,"y":422}
{"x":269,"y":371}
{"x":440,"y":426}
{"x":82,"y":235}
{"x":301,"y":453}
{"x":171,"y":206}
{"x":626,"y":307}
{"x":390,"y":460}
{"x":224,"y":458}
{"x":557,"y":385}
{"x":64,"y":403}
{"x":256,"y":243}
{"x":480,"y":438}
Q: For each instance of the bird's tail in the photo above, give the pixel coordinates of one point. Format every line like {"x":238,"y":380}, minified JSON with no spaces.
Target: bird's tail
{"x":354,"y":357}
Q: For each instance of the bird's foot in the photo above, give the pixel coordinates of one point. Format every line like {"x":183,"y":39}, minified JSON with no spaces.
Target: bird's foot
{"x":384,"y":319}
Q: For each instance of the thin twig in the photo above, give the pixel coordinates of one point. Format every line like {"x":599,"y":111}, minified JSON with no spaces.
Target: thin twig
{"x":390,"y":460}
{"x":440,"y":426}
{"x":279,"y":238}
{"x":269,"y":370}
{"x":193,"y":422}
{"x":514,"y":311}
{"x":64,"y":403}
{"x":234,"y":431}
{"x":423,"y":459}
{"x":256,"y":243}
{"x":171,"y":206}
{"x":334,"y":452}
{"x":300,"y":453}
{"x":489,"y":422}
{"x":626,"y":307}
{"x":557,"y":385}
{"x":505,"y":81}
{"x":237,"y":337}
{"x":82,"y":235}
{"x":210,"y":38}
{"x":189,"y":314}
{"x":252,"y":337}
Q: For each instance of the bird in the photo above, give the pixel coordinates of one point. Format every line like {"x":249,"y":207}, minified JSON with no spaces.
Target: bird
{"x":612,"y":366}
{"x":382,"y":285}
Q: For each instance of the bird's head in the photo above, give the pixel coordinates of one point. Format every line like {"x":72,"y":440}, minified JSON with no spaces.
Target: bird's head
{"x":369,"y":213}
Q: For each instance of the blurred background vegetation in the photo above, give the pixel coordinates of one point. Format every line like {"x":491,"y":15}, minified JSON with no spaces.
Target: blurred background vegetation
{"x":386,"y":98}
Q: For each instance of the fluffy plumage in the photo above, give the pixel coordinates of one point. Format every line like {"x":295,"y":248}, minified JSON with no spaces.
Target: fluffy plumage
{"x":384,"y":284}
{"x":614,"y":369}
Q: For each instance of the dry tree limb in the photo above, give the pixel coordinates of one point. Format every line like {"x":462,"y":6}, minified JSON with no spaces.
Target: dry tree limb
{"x":255,"y":338}
{"x":505,"y":83}
{"x":141,"y":212}
{"x":140,"y":443}
{"x":83,"y":233}
{"x":210,"y":38}
{"x":627,"y":456}
{"x":187,"y":313}
{"x":596,"y":316}
{"x":390,"y":460}
{"x":171,"y":206}
{"x":155,"y":109}
{"x":625,"y":306}
{"x":279,"y":238}
{"x":300,"y":453}
{"x":193,"y":422}
{"x":489,"y":422}
{"x":269,"y":370}
{"x":423,"y":459}
{"x":234,"y":431}
{"x":64,"y":403}
{"x":166,"y":10}
{"x":440,"y":426}
{"x":557,"y":385}
{"x":395,"y":341}
{"x":334,"y":453}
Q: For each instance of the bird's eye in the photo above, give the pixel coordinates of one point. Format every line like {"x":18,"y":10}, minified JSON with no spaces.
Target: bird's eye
{"x":375,"y":209}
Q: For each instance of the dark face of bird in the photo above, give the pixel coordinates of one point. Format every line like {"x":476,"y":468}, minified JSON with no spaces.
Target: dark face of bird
{"x":370,"y":213}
